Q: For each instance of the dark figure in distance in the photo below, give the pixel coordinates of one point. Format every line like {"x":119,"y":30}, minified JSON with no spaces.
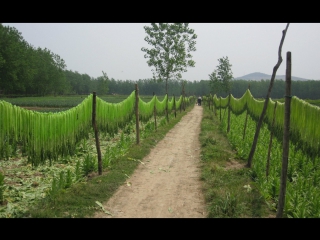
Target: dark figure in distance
{"x":199,"y":101}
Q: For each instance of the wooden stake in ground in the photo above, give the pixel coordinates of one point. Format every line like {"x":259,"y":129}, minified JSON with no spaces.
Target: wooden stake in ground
{"x":155,"y":114}
{"x":229,"y":113}
{"x":96,"y":133}
{"x":137,"y":114}
{"x":285,"y":144}
{"x":275,"y":68}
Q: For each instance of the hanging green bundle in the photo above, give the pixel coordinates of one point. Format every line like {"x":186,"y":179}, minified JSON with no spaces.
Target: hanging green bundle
{"x":277,"y":128}
{"x":161,"y":106}
{"x":178,"y":102}
{"x":54,"y":134}
{"x":254,"y":107}
{"x":238,"y":106}
{"x":190,"y":100}
{"x":4,"y":125}
{"x":111,"y":116}
{"x":146,"y":109}
{"x":304,"y":127}
{"x":224,"y":102}
{"x":216,"y":101}
{"x":170,"y":104}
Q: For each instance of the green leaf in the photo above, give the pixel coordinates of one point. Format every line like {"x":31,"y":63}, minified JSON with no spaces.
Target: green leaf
{"x":100,"y":205}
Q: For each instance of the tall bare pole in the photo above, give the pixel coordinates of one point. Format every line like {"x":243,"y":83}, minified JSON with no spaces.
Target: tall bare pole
{"x":137,"y":114}
{"x":275,"y":68}
{"x":285,"y":146}
{"x":155,"y":114}
{"x":96,"y":133}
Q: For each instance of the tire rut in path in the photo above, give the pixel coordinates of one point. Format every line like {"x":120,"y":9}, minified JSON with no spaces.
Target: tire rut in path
{"x":168,"y":184}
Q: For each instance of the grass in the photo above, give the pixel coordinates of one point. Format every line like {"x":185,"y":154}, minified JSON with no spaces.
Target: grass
{"x":228,"y":188}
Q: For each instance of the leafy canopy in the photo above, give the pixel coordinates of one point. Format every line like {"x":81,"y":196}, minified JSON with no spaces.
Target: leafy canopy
{"x":171,"y":49}
{"x":221,"y":77}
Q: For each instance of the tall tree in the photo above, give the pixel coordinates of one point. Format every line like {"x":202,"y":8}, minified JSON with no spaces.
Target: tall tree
{"x":221,"y":77}
{"x":170,"y":54}
{"x":102,"y":84}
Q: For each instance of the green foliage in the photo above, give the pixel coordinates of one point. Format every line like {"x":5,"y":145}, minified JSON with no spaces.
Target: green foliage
{"x":28,"y":70}
{"x":229,"y":192}
{"x":78,"y":172}
{"x":89,"y":164}
{"x":220,"y":79}
{"x":2,"y":187}
{"x":169,"y":54}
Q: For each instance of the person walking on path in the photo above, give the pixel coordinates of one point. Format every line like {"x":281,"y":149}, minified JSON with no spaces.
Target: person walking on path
{"x":199,"y":101}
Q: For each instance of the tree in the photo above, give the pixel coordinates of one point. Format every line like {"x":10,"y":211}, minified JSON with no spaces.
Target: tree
{"x":169,"y":54}
{"x":220,"y":79}
{"x":103,"y":84}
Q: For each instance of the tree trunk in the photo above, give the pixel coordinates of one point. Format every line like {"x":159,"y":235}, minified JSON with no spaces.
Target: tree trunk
{"x":275,"y":68}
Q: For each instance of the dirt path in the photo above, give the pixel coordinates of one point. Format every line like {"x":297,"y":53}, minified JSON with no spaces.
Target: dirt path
{"x":167,"y":185}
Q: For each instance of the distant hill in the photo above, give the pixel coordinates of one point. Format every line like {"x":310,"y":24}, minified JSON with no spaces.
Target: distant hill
{"x":258,"y":76}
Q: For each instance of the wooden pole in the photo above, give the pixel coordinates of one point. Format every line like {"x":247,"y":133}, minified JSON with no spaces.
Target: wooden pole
{"x":286,"y":133}
{"x":174,"y":102}
{"x":167,"y":110}
{"x":137,"y":114}
{"x":220,"y":108}
{"x":96,"y":133}
{"x":229,"y":113}
{"x":155,"y":114}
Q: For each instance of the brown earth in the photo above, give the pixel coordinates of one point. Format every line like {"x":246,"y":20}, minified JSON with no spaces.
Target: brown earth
{"x":167,"y":182}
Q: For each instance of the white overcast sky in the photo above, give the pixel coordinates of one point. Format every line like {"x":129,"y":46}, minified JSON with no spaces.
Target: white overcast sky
{"x":115,"y":48}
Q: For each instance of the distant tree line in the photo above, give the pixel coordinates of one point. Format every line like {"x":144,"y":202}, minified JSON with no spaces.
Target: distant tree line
{"x":29,"y":71}
{"x":309,"y":89}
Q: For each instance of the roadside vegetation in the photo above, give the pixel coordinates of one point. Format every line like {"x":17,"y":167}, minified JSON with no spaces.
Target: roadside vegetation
{"x":228,"y":186}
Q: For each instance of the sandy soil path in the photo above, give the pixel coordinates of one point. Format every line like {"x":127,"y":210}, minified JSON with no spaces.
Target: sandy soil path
{"x":167,"y":185}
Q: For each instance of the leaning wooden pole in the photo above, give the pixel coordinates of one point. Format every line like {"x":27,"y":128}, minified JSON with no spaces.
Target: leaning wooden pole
{"x":96,"y":133}
{"x":137,"y":114}
{"x":275,"y":68}
{"x":285,"y":143}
